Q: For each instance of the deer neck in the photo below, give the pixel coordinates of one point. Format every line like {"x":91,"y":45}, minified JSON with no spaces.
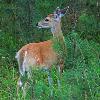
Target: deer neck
{"x":57,"y":32}
{"x":58,"y":38}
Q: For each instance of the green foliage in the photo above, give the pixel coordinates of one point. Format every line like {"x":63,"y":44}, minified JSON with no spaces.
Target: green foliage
{"x":81,"y":77}
{"x":89,"y":27}
{"x":80,"y":81}
{"x":8,"y":80}
{"x":60,"y":47}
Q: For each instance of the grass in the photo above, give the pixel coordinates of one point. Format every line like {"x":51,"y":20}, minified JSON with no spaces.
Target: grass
{"x":76,"y":84}
{"x":80,"y":79}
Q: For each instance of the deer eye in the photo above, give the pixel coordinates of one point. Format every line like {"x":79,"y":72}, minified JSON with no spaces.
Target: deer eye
{"x":46,"y":19}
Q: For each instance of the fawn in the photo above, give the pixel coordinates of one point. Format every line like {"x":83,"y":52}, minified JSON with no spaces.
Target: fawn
{"x":42,"y":54}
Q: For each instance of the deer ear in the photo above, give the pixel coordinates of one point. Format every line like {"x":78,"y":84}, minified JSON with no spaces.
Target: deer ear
{"x":61,"y":12}
{"x":57,"y":12}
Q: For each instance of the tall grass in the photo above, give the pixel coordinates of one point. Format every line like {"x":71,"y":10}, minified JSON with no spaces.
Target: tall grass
{"x":79,"y":81}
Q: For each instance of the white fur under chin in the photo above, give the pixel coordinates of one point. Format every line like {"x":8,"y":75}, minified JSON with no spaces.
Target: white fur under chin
{"x":43,"y":27}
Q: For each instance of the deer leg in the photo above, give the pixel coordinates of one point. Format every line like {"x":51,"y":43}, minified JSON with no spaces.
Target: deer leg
{"x":50,"y":81}
{"x":22,"y":79}
{"x":20,"y":83}
{"x":59,"y":77}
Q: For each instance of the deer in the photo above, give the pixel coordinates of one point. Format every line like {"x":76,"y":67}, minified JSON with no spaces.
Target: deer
{"x":42,"y":55}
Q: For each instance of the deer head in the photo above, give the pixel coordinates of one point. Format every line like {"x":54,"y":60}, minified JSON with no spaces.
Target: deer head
{"x":49,"y":21}
{"x":52,"y":21}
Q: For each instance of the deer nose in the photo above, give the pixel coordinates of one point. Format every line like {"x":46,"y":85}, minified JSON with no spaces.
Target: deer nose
{"x":36,"y":24}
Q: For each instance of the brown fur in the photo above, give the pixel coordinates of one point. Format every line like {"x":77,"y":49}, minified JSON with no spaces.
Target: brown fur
{"x":42,"y":53}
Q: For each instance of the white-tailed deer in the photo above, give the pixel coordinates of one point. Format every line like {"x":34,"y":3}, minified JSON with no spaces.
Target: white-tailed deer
{"x":43,"y":55}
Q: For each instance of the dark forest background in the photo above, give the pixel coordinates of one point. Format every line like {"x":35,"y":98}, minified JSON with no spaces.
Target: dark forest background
{"x":81,"y":29}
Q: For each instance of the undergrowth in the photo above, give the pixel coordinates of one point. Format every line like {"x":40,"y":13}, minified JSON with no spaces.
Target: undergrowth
{"x":79,"y":81}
